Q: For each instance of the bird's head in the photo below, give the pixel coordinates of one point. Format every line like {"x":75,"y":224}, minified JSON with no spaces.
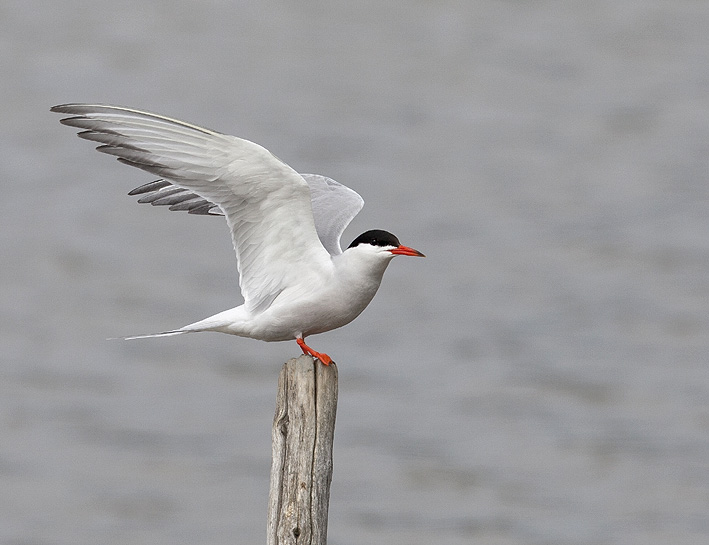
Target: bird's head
{"x":382,"y":243}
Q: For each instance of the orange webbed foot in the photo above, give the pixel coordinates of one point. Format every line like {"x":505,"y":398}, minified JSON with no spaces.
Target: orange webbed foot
{"x":324,"y":358}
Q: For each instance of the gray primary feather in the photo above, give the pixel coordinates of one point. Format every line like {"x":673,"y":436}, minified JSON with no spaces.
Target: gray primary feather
{"x":163,"y":193}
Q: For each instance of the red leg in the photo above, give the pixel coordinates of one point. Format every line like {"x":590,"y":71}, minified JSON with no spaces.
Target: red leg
{"x":324,"y":358}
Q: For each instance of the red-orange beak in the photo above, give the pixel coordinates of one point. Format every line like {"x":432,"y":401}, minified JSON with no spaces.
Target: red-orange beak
{"x":405,"y":250}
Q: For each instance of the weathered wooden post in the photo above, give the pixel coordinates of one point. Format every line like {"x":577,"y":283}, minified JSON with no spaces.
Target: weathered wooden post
{"x":301,"y":470}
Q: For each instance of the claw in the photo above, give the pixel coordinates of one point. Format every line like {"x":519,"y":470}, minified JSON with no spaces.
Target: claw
{"x":324,"y":358}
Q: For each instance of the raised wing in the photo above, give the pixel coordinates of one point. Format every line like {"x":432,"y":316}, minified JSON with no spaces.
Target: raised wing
{"x":266,"y":202}
{"x":334,"y":205}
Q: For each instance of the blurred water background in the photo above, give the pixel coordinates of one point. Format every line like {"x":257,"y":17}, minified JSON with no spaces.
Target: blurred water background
{"x":540,"y":378}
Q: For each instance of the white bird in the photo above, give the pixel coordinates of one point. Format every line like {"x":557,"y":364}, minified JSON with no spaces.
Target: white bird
{"x":286,"y":227}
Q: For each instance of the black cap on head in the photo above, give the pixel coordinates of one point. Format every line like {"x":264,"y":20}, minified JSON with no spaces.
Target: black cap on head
{"x":376,"y":237}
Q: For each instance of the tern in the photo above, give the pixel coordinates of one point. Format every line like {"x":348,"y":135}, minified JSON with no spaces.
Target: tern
{"x":294,"y":277}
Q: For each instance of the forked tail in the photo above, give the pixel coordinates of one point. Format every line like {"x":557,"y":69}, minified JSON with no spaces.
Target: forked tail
{"x":219,"y":322}
{"x":152,"y":335}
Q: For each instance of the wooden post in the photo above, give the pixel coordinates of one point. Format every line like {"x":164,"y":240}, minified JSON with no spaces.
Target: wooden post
{"x":301,"y":470}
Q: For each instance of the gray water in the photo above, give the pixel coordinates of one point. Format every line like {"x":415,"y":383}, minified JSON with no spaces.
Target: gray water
{"x":540,"y":378}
